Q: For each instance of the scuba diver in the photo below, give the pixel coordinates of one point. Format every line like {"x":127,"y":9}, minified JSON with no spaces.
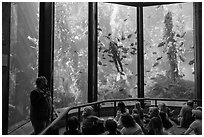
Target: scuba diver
{"x":113,"y":49}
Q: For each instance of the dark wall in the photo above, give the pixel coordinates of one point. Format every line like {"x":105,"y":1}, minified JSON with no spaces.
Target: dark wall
{"x":6,"y":6}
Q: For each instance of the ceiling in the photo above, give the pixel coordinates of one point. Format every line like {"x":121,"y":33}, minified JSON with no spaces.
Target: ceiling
{"x":143,"y":4}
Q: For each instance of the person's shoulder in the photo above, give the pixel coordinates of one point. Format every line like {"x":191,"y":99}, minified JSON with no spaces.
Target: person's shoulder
{"x":166,"y":133}
{"x":194,"y":124}
{"x":34,"y":92}
{"x":105,"y":133}
{"x":185,"y":108}
{"x":127,"y":110}
{"x":79,"y":132}
{"x":118,"y":132}
{"x":73,"y":132}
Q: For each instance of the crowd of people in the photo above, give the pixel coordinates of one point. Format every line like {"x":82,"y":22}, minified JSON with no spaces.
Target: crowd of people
{"x":158,"y":121}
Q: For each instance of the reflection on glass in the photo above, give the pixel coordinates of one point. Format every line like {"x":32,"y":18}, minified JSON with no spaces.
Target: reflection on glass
{"x":169,"y":51}
{"x":70,"y":54}
{"x":23,"y":60}
{"x":117,"y":53}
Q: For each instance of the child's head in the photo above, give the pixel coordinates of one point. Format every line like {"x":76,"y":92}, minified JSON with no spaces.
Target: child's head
{"x":197,"y":113}
{"x":127,"y":120}
{"x":73,"y":123}
{"x":137,"y":105}
{"x":135,"y":111}
{"x":190,"y":103}
{"x":156,"y":125}
{"x":111,"y":125}
{"x":162,"y":107}
{"x":153,"y":111}
{"x":88,"y":111}
{"x":121,"y":107}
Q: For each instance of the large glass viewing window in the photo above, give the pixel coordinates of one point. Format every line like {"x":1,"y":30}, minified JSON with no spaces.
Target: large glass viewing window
{"x":23,"y":60}
{"x":169,"y":51}
{"x":117,"y":52}
{"x":70,"y":54}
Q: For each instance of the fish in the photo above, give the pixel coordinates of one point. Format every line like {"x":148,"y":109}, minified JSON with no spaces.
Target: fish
{"x":99,"y":29}
{"x":159,"y":58}
{"x":155,"y":64}
{"x":99,"y":62}
{"x":129,"y":36}
{"x":161,"y":44}
{"x":132,"y":44}
{"x":181,"y":58}
{"x":191,"y":62}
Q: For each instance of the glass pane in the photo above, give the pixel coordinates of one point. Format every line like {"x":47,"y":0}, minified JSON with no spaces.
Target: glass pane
{"x":23,"y":60}
{"x":117,"y":53}
{"x":169,"y":51}
{"x":70,"y":54}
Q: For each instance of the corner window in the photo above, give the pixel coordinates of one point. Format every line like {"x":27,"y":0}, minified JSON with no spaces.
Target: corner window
{"x":169,"y":51}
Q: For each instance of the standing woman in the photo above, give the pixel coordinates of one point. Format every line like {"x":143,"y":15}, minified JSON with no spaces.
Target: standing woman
{"x":41,"y":105}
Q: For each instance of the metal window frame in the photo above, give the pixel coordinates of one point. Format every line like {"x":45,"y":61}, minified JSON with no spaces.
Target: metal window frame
{"x":92,"y":52}
{"x":6,"y":21}
{"x":46,"y":43}
{"x":197,"y":22}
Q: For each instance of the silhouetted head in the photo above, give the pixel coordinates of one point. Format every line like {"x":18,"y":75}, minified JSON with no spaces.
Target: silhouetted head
{"x":111,"y":125}
{"x":41,"y":82}
{"x":137,"y":105}
{"x":190,"y":103}
{"x":135,"y":111}
{"x":121,"y":107}
{"x":127,"y":120}
{"x":199,"y":108}
{"x":156,"y":125}
{"x":163,"y":107}
{"x":154,"y":112}
{"x":73,"y":123}
{"x":197,"y":113}
{"x":88,"y":111}
{"x":136,"y":117}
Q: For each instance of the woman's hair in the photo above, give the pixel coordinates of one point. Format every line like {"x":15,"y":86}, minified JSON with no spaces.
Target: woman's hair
{"x":111,"y":125}
{"x":156,"y":125}
{"x":163,"y":107}
{"x":88,"y":111}
{"x":73,"y":123}
{"x":190,"y":103}
{"x":127,"y":120}
{"x":137,"y":105}
{"x":121,"y":107}
{"x":135,"y":111}
{"x":154,"y":112}
{"x":136,"y":117}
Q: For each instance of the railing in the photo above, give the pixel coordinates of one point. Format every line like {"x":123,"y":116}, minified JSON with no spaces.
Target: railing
{"x":66,"y":112}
